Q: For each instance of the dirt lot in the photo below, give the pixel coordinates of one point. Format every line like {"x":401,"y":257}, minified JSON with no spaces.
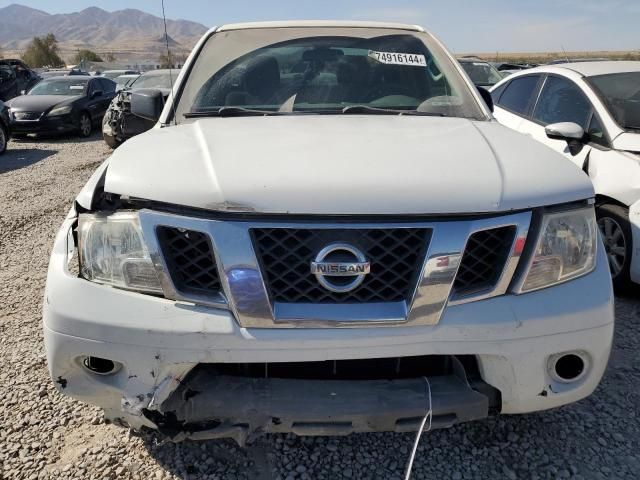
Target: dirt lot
{"x":45,"y":435}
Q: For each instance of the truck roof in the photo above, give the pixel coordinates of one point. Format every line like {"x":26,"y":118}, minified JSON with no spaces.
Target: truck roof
{"x":319,"y":23}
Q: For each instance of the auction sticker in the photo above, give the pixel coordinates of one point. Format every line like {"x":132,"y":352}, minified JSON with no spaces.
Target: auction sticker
{"x":393,"y":58}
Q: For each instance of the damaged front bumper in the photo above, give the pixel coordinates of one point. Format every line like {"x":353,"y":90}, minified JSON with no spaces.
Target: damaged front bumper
{"x":209,"y":405}
{"x":170,"y":360}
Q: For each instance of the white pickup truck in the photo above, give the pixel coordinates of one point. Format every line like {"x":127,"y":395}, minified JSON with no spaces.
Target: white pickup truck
{"x":326,"y":232}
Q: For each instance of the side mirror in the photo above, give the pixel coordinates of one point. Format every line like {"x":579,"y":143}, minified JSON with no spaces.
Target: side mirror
{"x":96,"y":94}
{"x":570,"y":132}
{"x":486,"y":96}
{"x":147,"y":103}
{"x":23,"y":92}
{"x":565,"y":131}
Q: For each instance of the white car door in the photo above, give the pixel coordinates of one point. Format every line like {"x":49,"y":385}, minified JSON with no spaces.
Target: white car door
{"x":560,"y":100}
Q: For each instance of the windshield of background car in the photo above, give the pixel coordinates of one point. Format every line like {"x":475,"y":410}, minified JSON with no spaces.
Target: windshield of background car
{"x":321,"y":69}
{"x":73,"y":87}
{"x":123,"y":80}
{"x":155,"y":81}
{"x":621,"y":94}
{"x":481,"y":73}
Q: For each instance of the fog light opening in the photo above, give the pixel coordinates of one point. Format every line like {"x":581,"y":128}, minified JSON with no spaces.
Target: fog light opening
{"x":100,"y":366}
{"x":569,"y":367}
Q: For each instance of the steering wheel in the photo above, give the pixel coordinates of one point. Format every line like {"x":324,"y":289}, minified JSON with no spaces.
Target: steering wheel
{"x":381,"y":91}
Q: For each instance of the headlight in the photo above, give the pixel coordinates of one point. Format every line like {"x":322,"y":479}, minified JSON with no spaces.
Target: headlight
{"x":565,"y":249}
{"x":60,"y":111}
{"x":113,"y":252}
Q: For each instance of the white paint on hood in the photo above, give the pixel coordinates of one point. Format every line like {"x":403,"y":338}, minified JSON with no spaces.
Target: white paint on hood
{"x":351,"y":164}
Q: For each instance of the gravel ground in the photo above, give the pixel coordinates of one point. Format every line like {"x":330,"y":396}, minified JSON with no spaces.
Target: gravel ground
{"x":45,"y":435}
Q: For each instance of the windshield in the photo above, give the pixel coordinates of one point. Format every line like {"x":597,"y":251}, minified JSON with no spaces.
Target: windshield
{"x":482,"y":73}
{"x":124,"y":80}
{"x":157,"y":80}
{"x":60,"y":87}
{"x":325,"y":70}
{"x":620,"y":92}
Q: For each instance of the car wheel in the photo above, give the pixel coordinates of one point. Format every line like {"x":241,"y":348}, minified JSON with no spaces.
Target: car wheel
{"x":613,"y":221}
{"x":111,"y":141}
{"x":84,"y":124}
{"x":4,"y":139}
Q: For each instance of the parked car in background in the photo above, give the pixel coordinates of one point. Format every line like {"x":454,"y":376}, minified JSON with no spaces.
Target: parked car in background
{"x":62,"y":104}
{"x":5,"y":127}
{"x":60,"y":72}
{"x":15,"y":78}
{"x":124,"y":80}
{"x":25,"y":76}
{"x":512,"y":67}
{"x":578,"y":60}
{"x":328,"y":235}
{"x":589,"y":112}
{"x":8,"y":83}
{"x":113,"y":74}
{"x":119,"y":124}
{"x":482,"y":73}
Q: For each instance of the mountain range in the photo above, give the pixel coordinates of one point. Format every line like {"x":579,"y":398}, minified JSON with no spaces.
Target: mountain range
{"x":94,"y":28}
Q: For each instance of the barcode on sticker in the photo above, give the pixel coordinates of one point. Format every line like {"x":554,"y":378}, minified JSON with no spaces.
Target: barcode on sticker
{"x":394,"y":58}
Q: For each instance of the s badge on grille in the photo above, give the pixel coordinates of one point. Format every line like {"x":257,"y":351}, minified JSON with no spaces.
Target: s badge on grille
{"x":340,"y":267}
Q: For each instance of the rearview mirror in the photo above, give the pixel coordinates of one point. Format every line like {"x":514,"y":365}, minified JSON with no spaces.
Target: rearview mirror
{"x":570,"y":132}
{"x":486,"y":96}
{"x":147,"y":103}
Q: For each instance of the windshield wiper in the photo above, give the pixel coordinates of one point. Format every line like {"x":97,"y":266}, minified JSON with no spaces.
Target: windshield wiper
{"x":352,"y":109}
{"x":386,"y":111}
{"x":631,"y":127}
{"x":230,"y":112}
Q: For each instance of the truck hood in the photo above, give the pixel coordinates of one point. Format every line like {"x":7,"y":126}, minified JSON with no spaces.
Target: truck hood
{"x":339,"y":165}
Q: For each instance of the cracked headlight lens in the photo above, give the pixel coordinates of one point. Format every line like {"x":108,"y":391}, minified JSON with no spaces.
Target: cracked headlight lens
{"x":566,"y":249}
{"x":113,"y":252}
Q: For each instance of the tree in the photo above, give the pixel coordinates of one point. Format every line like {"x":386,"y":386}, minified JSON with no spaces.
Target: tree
{"x":43,"y":52}
{"x":171,"y":60}
{"x":87,"y":56}
{"x":166,"y":60}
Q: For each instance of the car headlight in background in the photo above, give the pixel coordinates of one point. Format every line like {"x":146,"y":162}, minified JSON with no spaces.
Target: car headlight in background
{"x":565,"y":249}
{"x":60,"y":111}
{"x":113,"y":252}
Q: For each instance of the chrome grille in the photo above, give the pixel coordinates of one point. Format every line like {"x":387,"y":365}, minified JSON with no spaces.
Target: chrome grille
{"x":396,"y":256}
{"x":190,"y":260}
{"x":483,"y":260}
{"x":248,"y":285}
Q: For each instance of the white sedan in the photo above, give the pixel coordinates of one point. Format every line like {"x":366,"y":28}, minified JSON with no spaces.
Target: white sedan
{"x":590,"y":112}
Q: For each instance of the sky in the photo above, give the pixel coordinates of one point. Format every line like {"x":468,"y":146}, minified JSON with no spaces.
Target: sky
{"x":473,"y":26}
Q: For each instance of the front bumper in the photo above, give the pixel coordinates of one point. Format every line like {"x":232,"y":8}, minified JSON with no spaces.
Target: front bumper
{"x":56,"y":124}
{"x":159,"y":343}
